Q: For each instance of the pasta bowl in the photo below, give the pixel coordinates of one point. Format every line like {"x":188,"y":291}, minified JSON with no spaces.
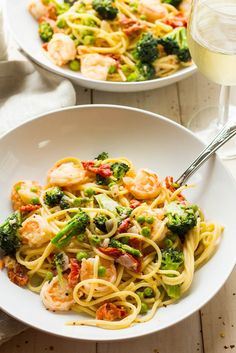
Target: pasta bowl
{"x":150,"y":141}
{"x":24,"y":29}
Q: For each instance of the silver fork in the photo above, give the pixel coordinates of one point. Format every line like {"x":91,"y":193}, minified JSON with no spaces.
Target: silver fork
{"x":225,"y":134}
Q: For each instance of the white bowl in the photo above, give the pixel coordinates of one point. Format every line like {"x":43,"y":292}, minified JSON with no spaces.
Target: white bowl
{"x":25,"y":31}
{"x":149,"y":141}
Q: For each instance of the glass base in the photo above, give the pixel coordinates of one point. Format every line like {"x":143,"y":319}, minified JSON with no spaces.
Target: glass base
{"x":205,"y":125}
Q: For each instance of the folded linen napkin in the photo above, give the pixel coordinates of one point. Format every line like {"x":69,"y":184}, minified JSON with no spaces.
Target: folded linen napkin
{"x":25,"y":91}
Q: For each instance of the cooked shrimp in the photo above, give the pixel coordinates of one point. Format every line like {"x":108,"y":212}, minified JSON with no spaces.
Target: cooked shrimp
{"x":61,"y":49}
{"x":66,"y":174}
{"x":56,"y":296}
{"x":23,"y":192}
{"x":87,"y":272}
{"x":37,"y":9}
{"x":144,"y":186}
{"x":96,"y":66}
{"x":152,"y":9}
{"x":35,"y":231}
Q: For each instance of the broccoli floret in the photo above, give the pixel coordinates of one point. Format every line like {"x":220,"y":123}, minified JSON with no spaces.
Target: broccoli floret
{"x":9,"y":233}
{"x":143,"y":72}
{"x":76,"y":225}
{"x":56,"y":197}
{"x":53,"y":196}
{"x":102,"y":156}
{"x":146,"y":49}
{"x":100,"y":222}
{"x":61,"y":262}
{"x":176,"y":43}
{"x":174,"y":3}
{"x":101,"y":180}
{"x":105,"y":8}
{"x":181,"y":218}
{"x":45,"y":31}
{"x":119,"y":170}
{"x":172,"y":259}
{"x":124,"y":248}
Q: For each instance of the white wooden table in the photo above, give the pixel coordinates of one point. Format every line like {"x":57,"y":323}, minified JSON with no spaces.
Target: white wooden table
{"x":210,"y":330}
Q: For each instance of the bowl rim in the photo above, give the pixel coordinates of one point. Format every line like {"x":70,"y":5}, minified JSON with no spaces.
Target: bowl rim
{"x":182,"y":317}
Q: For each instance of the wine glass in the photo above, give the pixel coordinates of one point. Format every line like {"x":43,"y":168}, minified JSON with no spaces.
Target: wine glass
{"x":212,"y":43}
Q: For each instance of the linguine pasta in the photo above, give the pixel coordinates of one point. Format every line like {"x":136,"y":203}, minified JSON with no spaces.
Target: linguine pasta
{"x":99,"y":38}
{"x":106,"y":241}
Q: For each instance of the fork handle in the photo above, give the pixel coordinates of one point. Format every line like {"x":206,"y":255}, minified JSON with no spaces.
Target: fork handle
{"x":225,"y":134}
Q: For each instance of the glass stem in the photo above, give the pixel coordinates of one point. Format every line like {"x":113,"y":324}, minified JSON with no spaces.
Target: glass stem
{"x":224,"y":106}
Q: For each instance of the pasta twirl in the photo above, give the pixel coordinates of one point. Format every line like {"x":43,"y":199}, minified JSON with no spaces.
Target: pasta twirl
{"x":114,"y":40}
{"x":104,"y":240}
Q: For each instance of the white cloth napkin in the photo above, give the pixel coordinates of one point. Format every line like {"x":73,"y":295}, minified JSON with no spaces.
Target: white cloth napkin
{"x":26,"y":91}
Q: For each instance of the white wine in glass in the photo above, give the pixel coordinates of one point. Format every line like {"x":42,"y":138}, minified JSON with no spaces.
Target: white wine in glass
{"x":212,"y":43}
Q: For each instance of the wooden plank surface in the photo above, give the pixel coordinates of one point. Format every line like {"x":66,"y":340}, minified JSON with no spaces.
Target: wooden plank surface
{"x":219,"y":320}
{"x":163,"y":101}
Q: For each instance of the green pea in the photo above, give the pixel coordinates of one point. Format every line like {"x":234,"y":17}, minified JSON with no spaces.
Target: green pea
{"x":17,"y":188}
{"x":102,"y":271}
{"x":140,"y":294}
{"x":35,"y":201}
{"x":141,"y":219}
{"x":112,"y":69}
{"x":88,"y":40}
{"x":89,"y":192}
{"x":74,"y":65}
{"x":148,"y":292}
{"x":143,"y":17}
{"x":82,"y":255}
{"x":49,"y":276}
{"x":125,"y":68}
{"x":149,"y":220}
{"x":146,"y":232}
{"x":144,"y":308}
{"x":34,"y":189}
{"x":61,"y":23}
